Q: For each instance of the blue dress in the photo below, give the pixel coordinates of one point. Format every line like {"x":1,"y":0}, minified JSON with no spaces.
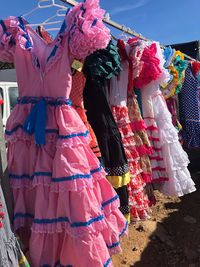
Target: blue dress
{"x":189,"y":103}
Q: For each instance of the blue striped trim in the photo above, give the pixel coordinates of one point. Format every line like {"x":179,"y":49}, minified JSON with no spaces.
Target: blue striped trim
{"x":53,"y":52}
{"x":80,"y":224}
{"x":107,"y":262}
{"x":48,"y":131}
{"x":124,"y":230}
{"x":49,"y":100}
{"x":28,"y":45}
{"x":3,"y":26}
{"x":23,"y":215}
{"x":30,"y":177}
{"x":21,"y":127}
{"x":113,"y":245}
{"x":94,"y":22}
{"x":77,"y":176}
{"x":110,"y":201}
{"x":13,"y":130}
{"x":49,"y":221}
{"x":73,"y":135}
{"x":59,"y":219}
{"x":49,"y":174}
{"x":120,"y":235}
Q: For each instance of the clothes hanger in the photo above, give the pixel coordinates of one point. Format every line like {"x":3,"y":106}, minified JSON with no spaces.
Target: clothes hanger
{"x":45,"y":4}
{"x":123,"y":35}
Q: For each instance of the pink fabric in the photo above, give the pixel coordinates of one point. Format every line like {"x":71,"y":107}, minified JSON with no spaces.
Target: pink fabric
{"x":60,"y":191}
{"x":151,"y":69}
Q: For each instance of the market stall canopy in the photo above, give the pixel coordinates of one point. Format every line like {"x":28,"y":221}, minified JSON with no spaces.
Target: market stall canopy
{"x":192,"y":49}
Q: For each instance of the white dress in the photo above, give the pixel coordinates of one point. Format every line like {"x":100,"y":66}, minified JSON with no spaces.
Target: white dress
{"x":173,"y":159}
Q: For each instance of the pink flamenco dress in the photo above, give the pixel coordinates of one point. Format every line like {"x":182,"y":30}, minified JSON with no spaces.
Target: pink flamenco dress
{"x":63,"y":205}
{"x":138,"y":201}
{"x":169,"y":160}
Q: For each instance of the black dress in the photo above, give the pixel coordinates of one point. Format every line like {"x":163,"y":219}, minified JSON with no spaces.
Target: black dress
{"x":98,"y":69}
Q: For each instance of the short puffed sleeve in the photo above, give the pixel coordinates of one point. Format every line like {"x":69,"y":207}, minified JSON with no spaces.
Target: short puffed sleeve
{"x":86,"y":30}
{"x":7,"y":41}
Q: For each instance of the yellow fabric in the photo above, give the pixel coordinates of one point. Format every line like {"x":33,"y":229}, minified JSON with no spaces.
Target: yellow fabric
{"x":119,"y":181}
{"x":128,"y":217}
{"x":179,"y":53}
{"x":23,"y":262}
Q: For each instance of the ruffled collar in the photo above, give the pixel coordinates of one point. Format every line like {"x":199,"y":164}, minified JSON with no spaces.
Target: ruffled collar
{"x":16,"y":31}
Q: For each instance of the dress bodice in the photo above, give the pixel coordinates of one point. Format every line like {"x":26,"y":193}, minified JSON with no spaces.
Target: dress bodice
{"x":44,"y":69}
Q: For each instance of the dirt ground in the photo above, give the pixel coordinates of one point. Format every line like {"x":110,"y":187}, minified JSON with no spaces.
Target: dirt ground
{"x":171,"y":238}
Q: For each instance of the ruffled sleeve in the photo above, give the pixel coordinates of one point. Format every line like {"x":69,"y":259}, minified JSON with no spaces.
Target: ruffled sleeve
{"x":7,"y":41}
{"x":103,"y":64}
{"x":86,"y":30}
{"x":151,"y":67}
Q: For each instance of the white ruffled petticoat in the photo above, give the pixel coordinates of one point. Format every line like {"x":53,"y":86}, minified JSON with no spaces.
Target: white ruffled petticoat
{"x":174,"y":157}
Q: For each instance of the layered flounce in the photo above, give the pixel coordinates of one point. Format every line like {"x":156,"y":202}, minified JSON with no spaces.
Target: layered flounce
{"x":61,"y":193}
{"x":138,"y":201}
{"x":175,"y":158}
{"x":87,"y":31}
{"x":143,"y":144}
{"x":150,"y":69}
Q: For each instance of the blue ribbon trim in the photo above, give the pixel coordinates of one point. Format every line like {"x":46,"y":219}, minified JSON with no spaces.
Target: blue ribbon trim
{"x":28,"y":45}
{"x":113,"y":245}
{"x":3,"y":26}
{"x":85,"y":134}
{"x":124,"y":230}
{"x":59,"y":219}
{"x":35,"y":122}
{"x":107,"y":262}
{"x":49,"y":131}
{"x":110,"y":201}
{"x":49,"y":100}
{"x":77,"y":176}
{"x":49,"y":174}
{"x":23,"y":215}
{"x":116,"y":244}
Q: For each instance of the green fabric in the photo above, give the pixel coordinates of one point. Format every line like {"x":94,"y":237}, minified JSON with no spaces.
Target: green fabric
{"x":103,"y":64}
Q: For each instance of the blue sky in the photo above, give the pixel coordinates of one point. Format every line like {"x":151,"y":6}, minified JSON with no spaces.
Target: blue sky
{"x":167,"y":21}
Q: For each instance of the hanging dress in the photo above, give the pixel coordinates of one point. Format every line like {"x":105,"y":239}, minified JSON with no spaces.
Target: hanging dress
{"x":76,"y":95}
{"x":10,"y":252}
{"x":61,"y":195}
{"x":171,"y":155}
{"x":99,"y":68}
{"x":138,"y":201}
{"x":189,"y":106}
{"x":137,"y":124}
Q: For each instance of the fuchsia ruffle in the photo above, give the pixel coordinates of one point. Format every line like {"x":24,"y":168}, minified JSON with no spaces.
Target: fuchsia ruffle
{"x":151,"y":70}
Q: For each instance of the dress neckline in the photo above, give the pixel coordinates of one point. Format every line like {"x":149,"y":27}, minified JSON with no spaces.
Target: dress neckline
{"x":44,"y":63}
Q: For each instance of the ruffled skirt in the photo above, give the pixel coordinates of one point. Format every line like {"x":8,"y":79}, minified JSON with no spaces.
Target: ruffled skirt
{"x":170,"y":159}
{"x":61,"y":194}
{"x":138,"y":201}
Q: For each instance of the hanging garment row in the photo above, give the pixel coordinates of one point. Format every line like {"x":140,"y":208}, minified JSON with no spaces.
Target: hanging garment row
{"x":88,"y":161}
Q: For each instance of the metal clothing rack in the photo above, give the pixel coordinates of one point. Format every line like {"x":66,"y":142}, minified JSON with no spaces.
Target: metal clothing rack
{"x":122,"y":27}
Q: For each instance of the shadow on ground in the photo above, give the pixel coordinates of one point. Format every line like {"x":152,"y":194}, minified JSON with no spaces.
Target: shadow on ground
{"x":171,"y":238}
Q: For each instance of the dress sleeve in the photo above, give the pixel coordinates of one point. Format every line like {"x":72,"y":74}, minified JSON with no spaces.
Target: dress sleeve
{"x":7,"y":41}
{"x":86,"y":30}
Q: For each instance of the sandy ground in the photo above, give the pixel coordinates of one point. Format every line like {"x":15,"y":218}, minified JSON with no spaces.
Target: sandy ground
{"x":171,"y":238}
